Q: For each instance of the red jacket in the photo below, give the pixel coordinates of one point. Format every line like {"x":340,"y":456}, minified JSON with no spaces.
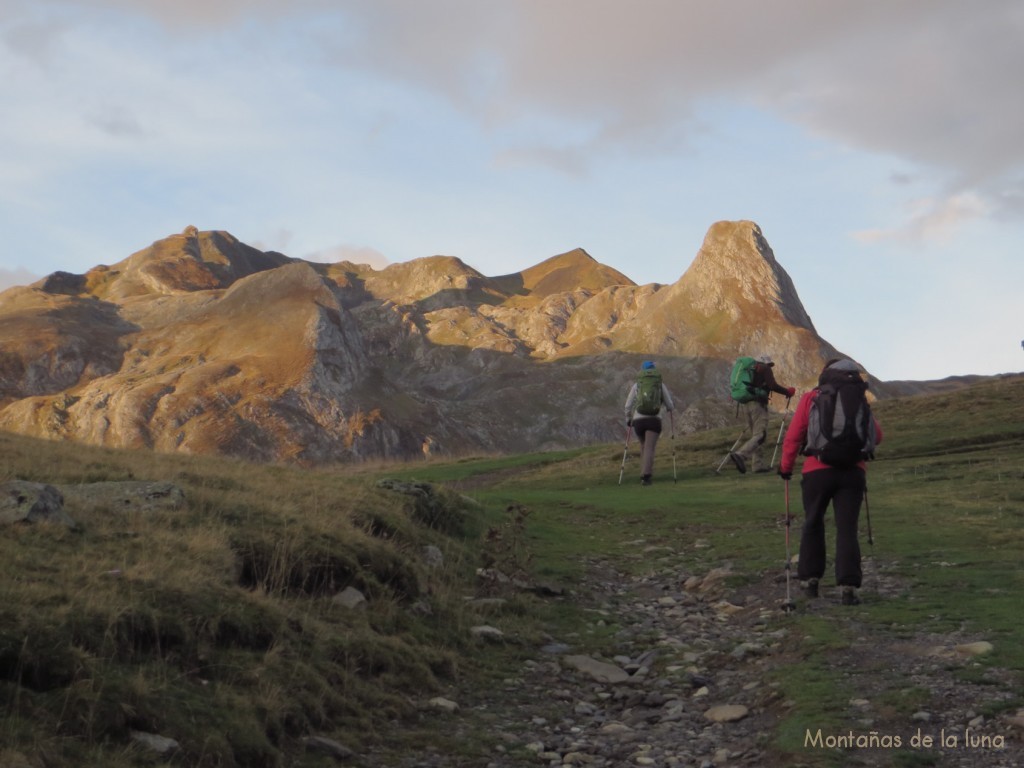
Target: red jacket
{"x":796,"y":435}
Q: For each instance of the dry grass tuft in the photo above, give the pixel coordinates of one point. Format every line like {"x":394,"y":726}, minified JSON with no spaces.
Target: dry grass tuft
{"x":214,"y":624}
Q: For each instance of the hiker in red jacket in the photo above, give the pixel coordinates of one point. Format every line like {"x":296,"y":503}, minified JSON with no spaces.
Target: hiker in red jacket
{"x":823,"y":483}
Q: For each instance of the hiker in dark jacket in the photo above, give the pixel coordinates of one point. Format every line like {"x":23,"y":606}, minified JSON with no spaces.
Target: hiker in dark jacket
{"x":749,"y":454}
{"x":820,"y":485}
{"x":648,"y":427}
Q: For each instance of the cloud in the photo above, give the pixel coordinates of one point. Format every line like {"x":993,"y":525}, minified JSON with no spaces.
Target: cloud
{"x":571,"y":162}
{"x":931,"y":220}
{"x":930,"y":81}
{"x":357,"y":254}
{"x":926,"y":85}
{"x":188,"y":14}
{"x":19,"y":276}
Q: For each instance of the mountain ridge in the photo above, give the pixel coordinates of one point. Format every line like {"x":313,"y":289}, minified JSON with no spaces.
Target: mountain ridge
{"x":200,"y":343}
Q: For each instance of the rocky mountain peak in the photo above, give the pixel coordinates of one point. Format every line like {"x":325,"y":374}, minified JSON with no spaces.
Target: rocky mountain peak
{"x":735,"y":272}
{"x":443,"y":277}
{"x":571,"y":271}
{"x":178,"y":264}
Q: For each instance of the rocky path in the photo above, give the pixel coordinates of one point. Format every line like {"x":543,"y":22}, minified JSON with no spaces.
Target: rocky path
{"x":697,"y":678}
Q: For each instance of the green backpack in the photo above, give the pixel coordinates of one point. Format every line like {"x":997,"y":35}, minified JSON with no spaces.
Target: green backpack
{"x":648,"y":392}
{"x":741,"y":381}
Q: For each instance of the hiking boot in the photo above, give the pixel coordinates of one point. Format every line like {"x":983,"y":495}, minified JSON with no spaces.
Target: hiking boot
{"x":849,"y":596}
{"x":811,"y":587}
{"x":741,"y":465}
{"x":645,"y":480}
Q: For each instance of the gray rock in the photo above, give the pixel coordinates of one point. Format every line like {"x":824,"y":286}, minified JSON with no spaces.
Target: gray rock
{"x":443,"y":704}
{"x":129,"y":495}
{"x":978,"y":648}
{"x":433,"y":556}
{"x":23,"y":501}
{"x":555,"y":648}
{"x":726,"y":713}
{"x":485,"y":632}
{"x":350,"y":597}
{"x":495,"y":604}
{"x":598,"y":670}
{"x":329,"y":747}
{"x":161,"y":745}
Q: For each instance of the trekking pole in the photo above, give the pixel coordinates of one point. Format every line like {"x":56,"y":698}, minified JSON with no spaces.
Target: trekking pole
{"x":789,"y":605}
{"x":779,"y":440}
{"x":867,"y":512}
{"x":624,"y":452}
{"x":672,"y":418}
{"x":719,"y":470}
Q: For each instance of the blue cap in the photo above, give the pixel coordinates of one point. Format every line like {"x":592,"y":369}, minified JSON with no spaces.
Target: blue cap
{"x":648,"y":365}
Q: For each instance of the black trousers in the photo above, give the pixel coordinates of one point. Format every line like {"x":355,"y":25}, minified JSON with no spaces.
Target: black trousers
{"x":648,"y":430}
{"x":844,"y":489}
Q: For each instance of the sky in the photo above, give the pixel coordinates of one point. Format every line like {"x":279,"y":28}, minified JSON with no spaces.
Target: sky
{"x":879,"y":145}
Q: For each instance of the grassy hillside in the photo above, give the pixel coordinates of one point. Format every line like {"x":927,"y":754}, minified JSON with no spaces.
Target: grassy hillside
{"x":216,"y":624}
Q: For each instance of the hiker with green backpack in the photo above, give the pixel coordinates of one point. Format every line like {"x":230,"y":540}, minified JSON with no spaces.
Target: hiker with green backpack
{"x":751,"y":385}
{"x":647,"y":397}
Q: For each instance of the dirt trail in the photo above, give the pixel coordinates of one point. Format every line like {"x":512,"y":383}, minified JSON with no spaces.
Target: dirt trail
{"x":689,"y":642}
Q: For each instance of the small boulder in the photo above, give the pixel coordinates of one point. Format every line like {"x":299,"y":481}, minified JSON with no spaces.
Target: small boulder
{"x":433,"y":556}
{"x":978,"y":648}
{"x":485,"y":632}
{"x":329,"y":747}
{"x":160,"y":745}
{"x":726,"y":713}
{"x":22,"y":501}
{"x":350,"y":597}
{"x":443,"y":704}
{"x":600,"y":671}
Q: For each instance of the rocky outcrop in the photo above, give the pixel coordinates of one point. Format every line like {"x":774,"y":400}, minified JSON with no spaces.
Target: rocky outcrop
{"x":202,"y":344}
{"x":140,"y":496}
{"x":22,"y":501}
{"x":26,"y":502}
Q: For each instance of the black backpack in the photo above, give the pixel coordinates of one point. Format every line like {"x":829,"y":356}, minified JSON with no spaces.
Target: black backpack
{"x":840,"y":427}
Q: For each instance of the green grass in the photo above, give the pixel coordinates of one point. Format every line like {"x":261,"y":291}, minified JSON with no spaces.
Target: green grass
{"x":215,"y":623}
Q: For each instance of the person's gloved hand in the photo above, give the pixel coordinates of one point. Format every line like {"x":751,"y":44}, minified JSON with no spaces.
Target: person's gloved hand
{"x":790,"y":392}
{"x":785,"y":475}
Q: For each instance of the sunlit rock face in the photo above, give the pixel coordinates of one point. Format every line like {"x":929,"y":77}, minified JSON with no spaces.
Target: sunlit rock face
{"x":202,"y":344}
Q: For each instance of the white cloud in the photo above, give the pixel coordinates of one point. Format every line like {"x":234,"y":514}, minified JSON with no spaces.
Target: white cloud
{"x":357,"y":254}
{"x":12,"y":277}
{"x":569,"y":161}
{"x":931,"y":220}
{"x":931,"y":81}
